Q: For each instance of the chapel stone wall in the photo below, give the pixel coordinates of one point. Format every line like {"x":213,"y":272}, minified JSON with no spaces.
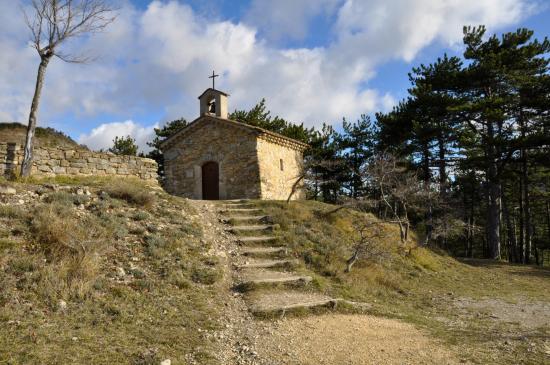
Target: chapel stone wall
{"x":280,"y":168}
{"x":232,"y":148}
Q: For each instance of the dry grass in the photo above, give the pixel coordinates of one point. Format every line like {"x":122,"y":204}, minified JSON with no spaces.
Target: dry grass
{"x":413,"y":283}
{"x":135,"y":194}
{"x":63,"y":300}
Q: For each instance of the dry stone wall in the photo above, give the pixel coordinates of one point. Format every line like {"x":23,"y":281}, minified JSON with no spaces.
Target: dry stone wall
{"x":50,"y":161}
{"x":280,"y":168}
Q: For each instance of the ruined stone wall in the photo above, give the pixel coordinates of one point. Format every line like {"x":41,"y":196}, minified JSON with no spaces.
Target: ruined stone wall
{"x":233,"y":149}
{"x":49,"y":161}
{"x":280,"y":167}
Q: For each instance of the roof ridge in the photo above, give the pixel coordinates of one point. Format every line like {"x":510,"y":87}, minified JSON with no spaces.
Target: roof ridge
{"x":276,"y":135}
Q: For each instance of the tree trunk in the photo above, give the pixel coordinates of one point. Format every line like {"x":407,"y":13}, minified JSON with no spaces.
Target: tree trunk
{"x":527,"y":210}
{"x":352,"y":260}
{"x":471,"y":239}
{"x":442,"y":166}
{"x":510,"y":230}
{"x":521,"y":247}
{"x":548,"y":218}
{"x":493,"y":187}
{"x":27,"y":155}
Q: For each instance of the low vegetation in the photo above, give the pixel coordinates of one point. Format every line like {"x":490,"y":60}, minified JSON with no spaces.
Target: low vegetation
{"x":419,"y":285}
{"x":45,"y":137}
{"x":104,"y":272}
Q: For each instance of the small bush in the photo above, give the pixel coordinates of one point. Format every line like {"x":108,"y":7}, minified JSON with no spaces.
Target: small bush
{"x":138,"y":231}
{"x":206,"y":275}
{"x":154,"y":245}
{"x":11,"y":212}
{"x":22,"y":264}
{"x":178,"y":279}
{"x":140,"y":216}
{"x":6,"y":244}
{"x":132,"y":192}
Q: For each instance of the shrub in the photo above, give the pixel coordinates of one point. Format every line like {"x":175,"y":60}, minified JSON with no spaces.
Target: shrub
{"x":11,"y":212}
{"x":6,"y":244}
{"x":132,"y":192}
{"x":140,"y":216}
{"x":207,"y":275}
{"x":154,"y":245}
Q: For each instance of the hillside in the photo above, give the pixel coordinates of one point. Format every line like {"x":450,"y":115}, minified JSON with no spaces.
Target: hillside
{"x":45,"y":137}
{"x":113,"y":271}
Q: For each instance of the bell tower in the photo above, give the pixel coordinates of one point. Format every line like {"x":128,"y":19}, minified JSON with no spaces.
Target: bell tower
{"x":213,"y":102}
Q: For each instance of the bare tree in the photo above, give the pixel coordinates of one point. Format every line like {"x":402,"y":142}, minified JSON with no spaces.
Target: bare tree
{"x":397,"y":188}
{"x":52,"y":23}
{"x":367,"y":245}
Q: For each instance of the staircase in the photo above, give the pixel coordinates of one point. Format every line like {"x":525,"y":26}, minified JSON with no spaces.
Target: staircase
{"x":264,"y":268}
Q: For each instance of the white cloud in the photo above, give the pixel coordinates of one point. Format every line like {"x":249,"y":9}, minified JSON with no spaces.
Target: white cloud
{"x":102,"y":137}
{"x":401,"y":28}
{"x":287,"y":18}
{"x":158,"y":59}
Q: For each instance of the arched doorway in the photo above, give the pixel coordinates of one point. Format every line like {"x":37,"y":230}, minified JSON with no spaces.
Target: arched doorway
{"x":210,"y":181}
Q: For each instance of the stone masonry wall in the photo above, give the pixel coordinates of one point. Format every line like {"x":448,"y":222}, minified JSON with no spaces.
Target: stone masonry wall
{"x":232,"y":148}
{"x":277,"y":180}
{"x":50,"y":161}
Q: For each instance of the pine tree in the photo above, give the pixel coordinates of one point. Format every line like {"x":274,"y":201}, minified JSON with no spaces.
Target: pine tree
{"x":161,"y":134}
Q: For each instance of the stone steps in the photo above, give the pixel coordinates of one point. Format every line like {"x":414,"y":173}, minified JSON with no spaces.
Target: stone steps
{"x":248,"y":229}
{"x":277,"y":302}
{"x":257,"y":278}
{"x":265,"y":264}
{"x":235,"y":220}
{"x":252,"y":251}
{"x":241,"y":210}
{"x":257,"y":239}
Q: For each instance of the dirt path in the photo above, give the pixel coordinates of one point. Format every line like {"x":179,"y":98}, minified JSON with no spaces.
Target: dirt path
{"x":325,"y":339}
{"x":351,"y":340}
{"x":238,"y":329}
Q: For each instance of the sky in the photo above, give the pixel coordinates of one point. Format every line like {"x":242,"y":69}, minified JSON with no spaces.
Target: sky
{"x":314,"y":61}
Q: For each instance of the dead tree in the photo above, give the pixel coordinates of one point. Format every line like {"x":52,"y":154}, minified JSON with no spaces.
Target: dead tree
{"x":397,"y":188}
{"x":52,"y":23}
{"x":367,"y":245}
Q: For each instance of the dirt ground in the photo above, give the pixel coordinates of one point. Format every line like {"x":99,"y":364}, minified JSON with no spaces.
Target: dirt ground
{"x":351,"y":340}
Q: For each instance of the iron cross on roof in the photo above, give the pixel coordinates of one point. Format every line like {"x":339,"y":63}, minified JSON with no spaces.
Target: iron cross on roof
{"x":213,"y":77}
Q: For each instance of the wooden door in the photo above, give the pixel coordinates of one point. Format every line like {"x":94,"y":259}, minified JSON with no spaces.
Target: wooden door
{"x":210,"y":183}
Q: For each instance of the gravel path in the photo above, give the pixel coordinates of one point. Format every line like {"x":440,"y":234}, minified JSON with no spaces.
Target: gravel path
{"x":350,"y":340}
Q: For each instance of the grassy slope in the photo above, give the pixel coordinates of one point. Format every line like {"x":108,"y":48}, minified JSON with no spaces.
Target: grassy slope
{"x":45,"y":137}
{"x":171,"y":289}
{"x":155,"y":311}
{"x":417,"y":284}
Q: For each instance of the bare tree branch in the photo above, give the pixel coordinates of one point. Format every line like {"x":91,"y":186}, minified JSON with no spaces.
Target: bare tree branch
{"x":51,"y":23}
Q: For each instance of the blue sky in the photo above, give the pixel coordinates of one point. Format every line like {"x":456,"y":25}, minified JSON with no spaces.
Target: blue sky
{"x":314,"y":61}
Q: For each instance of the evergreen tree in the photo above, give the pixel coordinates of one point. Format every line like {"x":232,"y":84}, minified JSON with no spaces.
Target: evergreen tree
{"x":259,"y":116}
{"x":124,"y":146}
{"x":357,"y":146}
{"x":161,"y":134}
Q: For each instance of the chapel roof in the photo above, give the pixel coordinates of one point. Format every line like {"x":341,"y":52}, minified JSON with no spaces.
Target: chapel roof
{"x":259,"y":132}
{"x":210,"y":89}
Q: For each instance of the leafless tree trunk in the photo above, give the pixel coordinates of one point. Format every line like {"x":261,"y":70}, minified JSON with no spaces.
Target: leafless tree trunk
{"x":27,"y":155}
{"x":51,"y":23}
{"x":367,"y":244}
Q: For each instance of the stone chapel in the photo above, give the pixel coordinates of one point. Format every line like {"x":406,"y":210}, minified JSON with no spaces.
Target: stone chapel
{"x":214,"y":157}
